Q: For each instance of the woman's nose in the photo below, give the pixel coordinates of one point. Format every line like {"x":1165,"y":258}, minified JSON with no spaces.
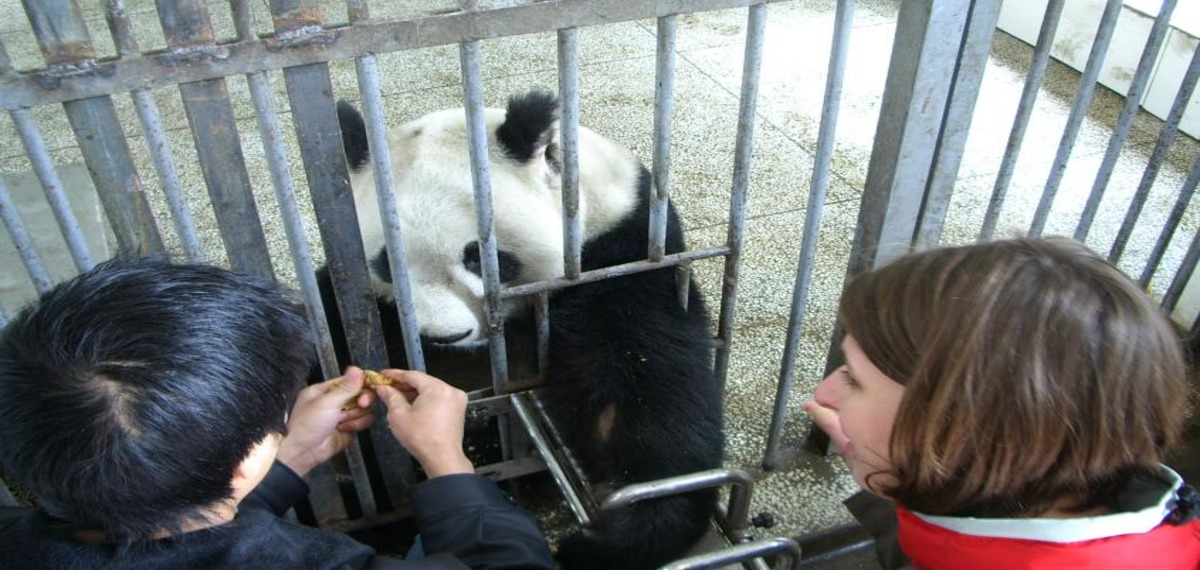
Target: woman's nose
{"x":828,"y":392}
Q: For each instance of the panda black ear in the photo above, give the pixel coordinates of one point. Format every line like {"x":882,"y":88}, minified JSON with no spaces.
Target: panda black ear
{"x":354,"y":135}
{"x":527,"y":128}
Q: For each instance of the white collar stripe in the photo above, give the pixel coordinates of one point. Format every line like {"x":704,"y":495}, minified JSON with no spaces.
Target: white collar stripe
{"x":1065,"y":530}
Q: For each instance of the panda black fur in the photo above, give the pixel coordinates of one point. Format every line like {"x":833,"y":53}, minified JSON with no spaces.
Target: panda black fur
{"x":629,"y":375}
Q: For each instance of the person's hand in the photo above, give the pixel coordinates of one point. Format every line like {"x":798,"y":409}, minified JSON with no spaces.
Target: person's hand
{"x":828,"y":420}
{"x":427,"y":415}
{"x":319,"y":428}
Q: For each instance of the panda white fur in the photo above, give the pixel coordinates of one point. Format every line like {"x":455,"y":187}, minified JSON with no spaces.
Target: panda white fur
{"x":629,"y":379}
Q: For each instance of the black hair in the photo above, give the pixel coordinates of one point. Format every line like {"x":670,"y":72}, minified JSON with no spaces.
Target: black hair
{"x":130,"y":393}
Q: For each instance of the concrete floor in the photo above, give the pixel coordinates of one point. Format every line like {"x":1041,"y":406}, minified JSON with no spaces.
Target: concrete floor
{"x":617,"y":90}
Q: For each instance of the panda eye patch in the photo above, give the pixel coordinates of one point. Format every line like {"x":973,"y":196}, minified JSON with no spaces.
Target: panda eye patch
{"x":510,"y":267}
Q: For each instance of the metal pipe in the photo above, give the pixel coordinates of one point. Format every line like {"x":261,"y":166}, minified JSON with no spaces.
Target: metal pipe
{"x":736,"y":519}
{"x":1133,"y":101}
{"x":817,"y":192}
{"x":1033,"y":85}
{"x":1087,"y":88}
{"x":743,"y":151}
{"x":43,"y":166}
{"x":23,"y":243}
{"x":664,"y":108}
{"x":168,"y":174}
{"x":1168,"y":231}
{"x":568,"y":96}
{"x":368,"y":86}
{"x":556,"y":470}
{"x":613,"y":271}
{"x":786,"y":548}
{"x":1186,"y":268}
{"x":1159,"y":155}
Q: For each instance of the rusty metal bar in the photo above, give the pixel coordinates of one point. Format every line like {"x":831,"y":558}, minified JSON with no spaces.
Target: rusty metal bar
{"x":209,"y":112}
{"x":1087,"y":88}
{"x":568,"y":96}
{"x":1133,"y":102}
{"x":313,"y":44}
{"x":614,"y":271}
{"x":43,"y":166}
{"x":243,"y":20}
{"x":24,"y":245}
{"x":1159,"y":155}
{"x":743,"y":151}
{"x":664,"y":107}
{"x":66,"y":45}
{"x":310,"y":92}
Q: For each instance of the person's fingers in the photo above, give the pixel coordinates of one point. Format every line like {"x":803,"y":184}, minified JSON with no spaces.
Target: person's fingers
{"x":828,"y":421}
{"x":411,"y":380}
{"x":392,"y":398}
{"x":356,"y":424}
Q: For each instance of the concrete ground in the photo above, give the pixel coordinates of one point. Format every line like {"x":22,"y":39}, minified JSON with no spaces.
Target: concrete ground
{"x":617,"y":90}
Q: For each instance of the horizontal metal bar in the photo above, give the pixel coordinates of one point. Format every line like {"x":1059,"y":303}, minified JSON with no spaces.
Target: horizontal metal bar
{"x":317,"y":45}
{"x":708,"y":479}
{"x":785,"y":547}
{"x":614,"y":271}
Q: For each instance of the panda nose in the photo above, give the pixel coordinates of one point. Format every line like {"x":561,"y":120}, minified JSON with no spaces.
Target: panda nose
{"x":449,"y":339}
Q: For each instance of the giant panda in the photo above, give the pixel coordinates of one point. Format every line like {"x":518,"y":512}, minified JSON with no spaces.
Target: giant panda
{"x":629,"y":378}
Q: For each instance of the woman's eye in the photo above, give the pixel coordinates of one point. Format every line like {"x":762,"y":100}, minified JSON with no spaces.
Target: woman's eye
{"x":844,"y":372}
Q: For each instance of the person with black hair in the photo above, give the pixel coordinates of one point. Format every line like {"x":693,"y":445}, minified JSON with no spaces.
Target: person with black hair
{"x":146,"y":405}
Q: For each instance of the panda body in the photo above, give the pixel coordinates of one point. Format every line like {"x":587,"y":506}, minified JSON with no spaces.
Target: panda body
{"x":629,"y":380}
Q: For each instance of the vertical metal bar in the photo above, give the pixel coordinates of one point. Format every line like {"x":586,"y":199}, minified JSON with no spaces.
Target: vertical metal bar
{"x":310,"y":92}
{"x":209,"y":112}
{"x":1133,"y":101}
{"x":743,"y":150}
{"x":568,"y":96}
{"x":368,"y":86}
{"x":65,"y":41}
{"x":43,"y":166}
{"x":20,"y":238}
{"x":541,"y":312}
{"x":1165,"y":138}
{"x":968,"y":75}
{"x":664,"y":103}
{"x":1033,"y":84}
{"x":469,"y":55}
{"x":914,"y":102}
{"x":683,"y":283}
{"x":1087,"y":87}
{"x":156,"y":138}
{"x":243,"y":19}
{"x":1186,"y":268}
{"x":1172,"y":223}
{"x":818,"y":189}
{"x":285,"y":194}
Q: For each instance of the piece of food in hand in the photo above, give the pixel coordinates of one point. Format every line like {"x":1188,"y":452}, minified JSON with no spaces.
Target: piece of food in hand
{"x":371,"y":381}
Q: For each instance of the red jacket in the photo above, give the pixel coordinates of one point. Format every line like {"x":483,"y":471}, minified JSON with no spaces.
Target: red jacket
{"x":1136,"y":539}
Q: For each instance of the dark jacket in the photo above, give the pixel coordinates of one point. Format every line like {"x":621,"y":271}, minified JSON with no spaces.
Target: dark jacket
{"x":464,"y":520}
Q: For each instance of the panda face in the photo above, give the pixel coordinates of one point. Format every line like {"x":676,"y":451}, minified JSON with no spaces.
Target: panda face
{"x":436,"y":206}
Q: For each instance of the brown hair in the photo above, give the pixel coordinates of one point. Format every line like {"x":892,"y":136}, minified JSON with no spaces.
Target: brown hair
{"x":1035,"y":371}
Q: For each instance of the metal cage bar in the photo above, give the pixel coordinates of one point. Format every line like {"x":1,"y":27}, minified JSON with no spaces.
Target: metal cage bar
{"x":52,"y":186}
{"x":209,"y":111}
{"x":568,"y":96}
{"x":818,"y":190}
{"x":1087,"y":88}
{"x":1165,"y":138}
{"x":743,"y":151}
{"x":664,"y":105}
{"x":1133,"y":101}
{"x":21,"y":240}
{"x":1172,"y":224}
{"x":1186,"y":268}
{"x":1029,"y":94}
{"x":786,"y":549}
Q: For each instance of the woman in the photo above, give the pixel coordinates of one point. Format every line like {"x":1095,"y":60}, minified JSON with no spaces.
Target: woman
{"x":1014,"y":400}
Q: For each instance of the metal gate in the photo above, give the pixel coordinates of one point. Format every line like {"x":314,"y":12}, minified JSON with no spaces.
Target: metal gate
{"x":220,"y":64}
